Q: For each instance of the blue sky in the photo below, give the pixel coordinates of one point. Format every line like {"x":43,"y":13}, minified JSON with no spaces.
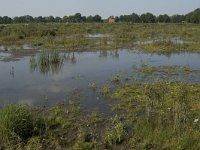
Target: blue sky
{"x":105,"y":8}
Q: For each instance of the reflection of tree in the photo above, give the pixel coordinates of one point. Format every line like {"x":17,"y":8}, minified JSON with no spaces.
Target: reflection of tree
{"x":47,"y":62}
{"x":12,"y":72}
{"x":103,"y":54}
{"x":71,"y":58}
{"x":113,"y":53}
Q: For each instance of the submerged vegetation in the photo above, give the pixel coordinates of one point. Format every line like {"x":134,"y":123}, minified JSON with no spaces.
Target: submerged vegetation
{"x":167,"y":70}
{"x":161,"y":115}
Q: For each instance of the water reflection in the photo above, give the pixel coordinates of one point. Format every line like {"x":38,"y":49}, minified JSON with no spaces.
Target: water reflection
{"x":12,"y":72}
{"x":70,"y":57}
{"x":104,"y":54}
{"x":55,"y":74}
{"x":92,"y":36}
{"x":173,"y":40}
{"x":47,"y":62}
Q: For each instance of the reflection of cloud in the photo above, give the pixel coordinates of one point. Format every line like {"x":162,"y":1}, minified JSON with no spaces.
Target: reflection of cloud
{"x":62,"y":75}
{"x":55,"y":89}
{"x":50,"y":88}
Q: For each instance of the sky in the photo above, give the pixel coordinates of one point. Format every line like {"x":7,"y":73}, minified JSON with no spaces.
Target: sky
{"x":104,"y":8}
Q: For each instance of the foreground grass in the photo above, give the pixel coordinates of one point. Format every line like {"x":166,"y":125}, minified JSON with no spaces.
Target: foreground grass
{"x":75,"y":36}
{"x":162,"y":115}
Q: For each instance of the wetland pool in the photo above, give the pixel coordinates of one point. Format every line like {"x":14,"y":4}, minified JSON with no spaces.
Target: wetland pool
{"x":21,"y":83}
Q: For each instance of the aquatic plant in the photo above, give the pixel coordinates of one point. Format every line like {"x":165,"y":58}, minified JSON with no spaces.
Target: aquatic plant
{"x":48,"y":61}
{"x":105,"y":89}
{"x":116,"y":78}
{"x":115,"y":134}
{"x":92,"y":85}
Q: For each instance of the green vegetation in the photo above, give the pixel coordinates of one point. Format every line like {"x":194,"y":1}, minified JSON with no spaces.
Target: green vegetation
{"x":167,"y":70}
{"x":161,"y":115}
{"x":143,"y":115}
{"x":162,"y":38}
{"x":48,"y":61}
{"x":115,"y":134}
{"x":105,"y":90}
{"x":16,"y":122}
{"x":92,"y":85}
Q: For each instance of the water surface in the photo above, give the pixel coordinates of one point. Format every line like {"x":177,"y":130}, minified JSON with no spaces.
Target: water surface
{"x":19,"y":83}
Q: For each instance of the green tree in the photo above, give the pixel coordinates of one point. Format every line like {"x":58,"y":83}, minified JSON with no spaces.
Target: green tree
{"x":1,"y":20}
{"x":7,"y":20}
{"x":77,"y":18}
{"x":58,"y":19}
{"x":194,"y":16}
{"x":97,"y":18}
{"x":148,"y":18}
{"x":40,"y":19}
{"x":177,"y":18}
{"x":65,"y":19}
{"x":163,"y":18}
{"x":49,"y":19}
{"x":135,"y":18}
{"x":160,"y":18}
{"x":89,"y":19}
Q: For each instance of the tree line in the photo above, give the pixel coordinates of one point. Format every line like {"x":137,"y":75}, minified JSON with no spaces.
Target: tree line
{"x":192,"y":17}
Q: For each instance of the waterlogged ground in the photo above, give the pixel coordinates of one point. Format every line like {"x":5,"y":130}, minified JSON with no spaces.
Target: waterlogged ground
{"x":117,"y":99}
{"x":144,"y":95}
{"x":23,"y":82}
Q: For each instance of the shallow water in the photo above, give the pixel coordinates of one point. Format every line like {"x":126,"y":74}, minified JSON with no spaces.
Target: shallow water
{"x":22,"y":84}
{"x":91,"y":36}
{"x":174,"y":40}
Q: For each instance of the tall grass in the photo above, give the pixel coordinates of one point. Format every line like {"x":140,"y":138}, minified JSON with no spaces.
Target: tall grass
{"x":72,"y":37}
{"x":16,"y":122}
{"x":48,"y":61}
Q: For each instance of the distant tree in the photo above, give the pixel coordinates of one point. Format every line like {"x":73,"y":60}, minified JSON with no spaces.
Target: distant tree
{"x":166,"y":18}
{"x":7,"y":20}
{"x":116,"y":19}
{"x":135,"y":18}
{"x":160,"y":18}
{"x":58,"y":19}
{"x":83,"y":18}
{"x":71,"y":19}
{"x":28,"y":19}
{"x":148,"y":18}
{"x":194,"y":16}
{"x":97,"y":18}
{"x":40,"y":19}
{"x":125,"y":18}
{"x":177,"y":18}
{"x":65,"y":19}
{"x":163,"y":18}
{"x":89,"y":19}
{"x":16,"y":20}
{"x":78,"y":18}
{"x":49,"y":19}
{"x":1,"y":20}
